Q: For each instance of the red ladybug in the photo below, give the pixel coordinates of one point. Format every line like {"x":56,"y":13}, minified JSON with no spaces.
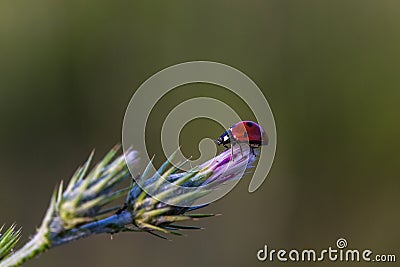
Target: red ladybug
{"x":244,"y":132}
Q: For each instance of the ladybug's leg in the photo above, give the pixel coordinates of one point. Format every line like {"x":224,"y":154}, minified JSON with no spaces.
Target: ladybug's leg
{"x":240,"y":147}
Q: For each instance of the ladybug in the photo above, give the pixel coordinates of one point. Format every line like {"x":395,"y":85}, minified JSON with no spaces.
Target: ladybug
{"x":244,"y":132}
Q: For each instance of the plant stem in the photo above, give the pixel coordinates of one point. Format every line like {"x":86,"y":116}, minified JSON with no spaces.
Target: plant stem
{"x":44,"y":239}
{"x":113,"y":224}
{"x":38,"y":244}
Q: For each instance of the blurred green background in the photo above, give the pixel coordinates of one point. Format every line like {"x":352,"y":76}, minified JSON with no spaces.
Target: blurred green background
{"x":328,"y":68}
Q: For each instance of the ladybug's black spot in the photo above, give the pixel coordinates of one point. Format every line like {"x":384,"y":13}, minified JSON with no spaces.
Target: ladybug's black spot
{"x":245,"y":134}
{"x":249,"y":124}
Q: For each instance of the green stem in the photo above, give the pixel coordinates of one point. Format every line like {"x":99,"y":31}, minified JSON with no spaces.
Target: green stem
{"x":44,"y":240}
{"x":38,"y":244}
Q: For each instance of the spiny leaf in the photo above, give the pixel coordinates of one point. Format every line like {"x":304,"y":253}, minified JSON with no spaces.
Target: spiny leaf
{"x":186,"y":177}
{"x":155,"y":212}
{"x":153,"y":227}
{"x":201,"y":215}
{"x":8,"y":240}
{"x":95,"y":173}
{"x":80,"y":173}
{"x":172,"y":218}
{"x":183,"y":227}
{"x":158,"y":235}
{"x":100,"y":201}
{"x":190,"y":197}
{"x":162,"y":178}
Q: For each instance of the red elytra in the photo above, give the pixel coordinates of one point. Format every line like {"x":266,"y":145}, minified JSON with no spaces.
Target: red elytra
{"x":244,"y":132}
{"x":251,"y":132}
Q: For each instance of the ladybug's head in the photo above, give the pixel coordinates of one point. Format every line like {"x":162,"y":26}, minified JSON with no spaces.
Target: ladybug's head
{"x":219,"y":141}
{"x":223,"y":139}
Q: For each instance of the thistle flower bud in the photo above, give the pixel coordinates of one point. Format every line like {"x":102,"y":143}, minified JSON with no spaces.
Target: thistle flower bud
{"x":87,"y":193}
{"x":149,"y":213}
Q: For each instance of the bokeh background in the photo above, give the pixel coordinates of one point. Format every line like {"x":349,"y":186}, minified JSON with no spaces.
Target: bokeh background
{"x":330,"y":70}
